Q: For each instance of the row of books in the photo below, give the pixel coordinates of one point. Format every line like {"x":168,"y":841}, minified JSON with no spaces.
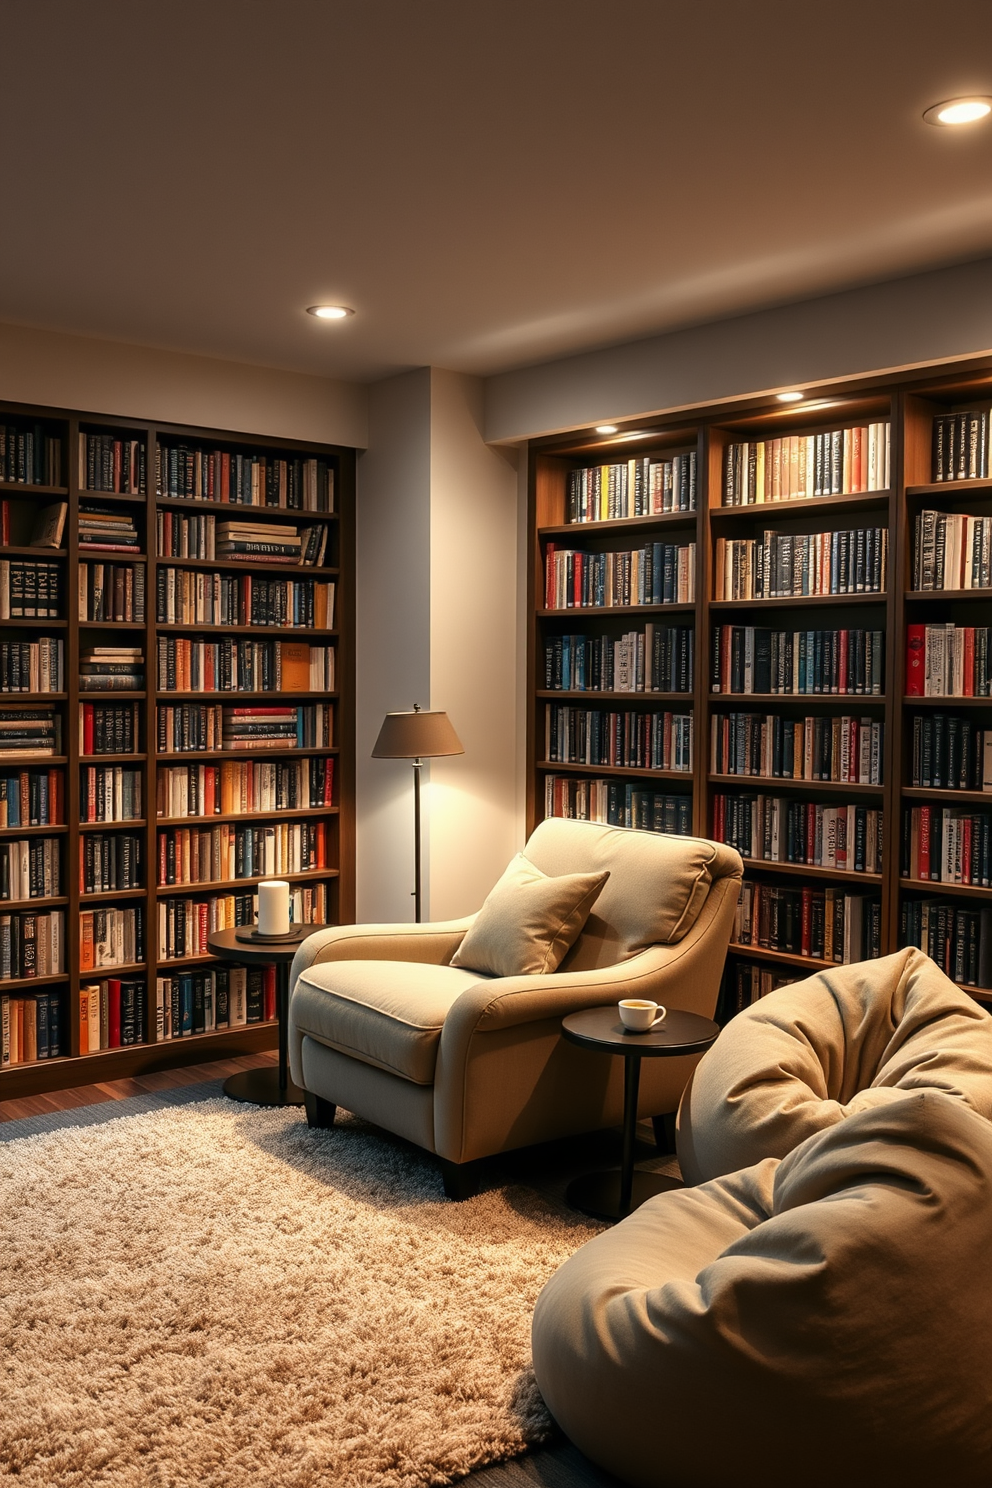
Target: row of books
{"x":780,"y":829}
{"x":32,"y":666}
{"x":110,"y":860}
{"x":30,"y":1028}
{"x":787,"y":565}
{"x":184,"y":923}
{"x":958,"y":939}
{"x":111,"y":937}
{"x":30,"y":868}
{"x":838,"y":462}
{"x":249,"y":542}
{"x":109,"y":728}
{"x":238,"y":787}
{"x":30,"y":455}
{"x":753,"y":659}
{"x":113,"y":1013}
{"x":950,"y":752}
{"x":952,"y":552}
{"x":108,"y":531}
{"x":109,"y":793}
{"x":188,"y":855}
{"x":658,"y":573}
{"x":193,"y":596}
{"x":30,"y":589}
{"x":644,"y":487}
{"x":180,"y":536}
{"x":112,"y":669}
{"x":196,"y":728}
{"x":840,"y":749}
{"x":29,"y":733}
{"x":961,"y":445}
{"x":744,"y":982}
{"x":829,"y":924}
{"x":212,"y":997}
{"x":634,"y":740}
{"x":295,"y":482}
{"x":946,"y":844}
{"x":112,"y":591}
{"x":957,"y":936}
{"x":32,"y":798}
{"x":617,"y":804}
{"x":243,"y":665}
{"x":108,"y":462}
{"x":32,"y":943}
{"x":658,"y":658}
{"x":948,"y":661}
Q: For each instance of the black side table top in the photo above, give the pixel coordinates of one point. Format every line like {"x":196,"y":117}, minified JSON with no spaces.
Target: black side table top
{"x":225,"y":943}
{"x":600,"y":1028}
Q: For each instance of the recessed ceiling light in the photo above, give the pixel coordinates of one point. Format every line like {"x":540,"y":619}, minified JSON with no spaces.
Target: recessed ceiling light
{"x":330,"y":312}
{"x":790,"y":397}
{"x":606,"y":428}
{"x":959,"y":110}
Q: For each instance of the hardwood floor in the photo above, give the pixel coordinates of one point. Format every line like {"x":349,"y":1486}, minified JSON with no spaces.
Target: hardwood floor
{"x":115,"y":1090}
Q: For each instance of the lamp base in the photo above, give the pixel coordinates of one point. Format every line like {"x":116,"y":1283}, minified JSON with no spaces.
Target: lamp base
{"x":250,"y":936}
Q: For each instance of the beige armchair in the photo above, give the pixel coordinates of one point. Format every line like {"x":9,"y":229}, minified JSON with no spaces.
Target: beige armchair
{"x":467,"y":1065}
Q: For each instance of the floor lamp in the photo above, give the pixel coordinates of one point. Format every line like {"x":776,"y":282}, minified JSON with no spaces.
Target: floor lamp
{"x":416,"y":736}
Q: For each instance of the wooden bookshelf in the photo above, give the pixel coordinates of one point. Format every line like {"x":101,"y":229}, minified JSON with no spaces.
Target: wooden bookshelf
{"x":909,"y":404}
{"x":335,"y":880}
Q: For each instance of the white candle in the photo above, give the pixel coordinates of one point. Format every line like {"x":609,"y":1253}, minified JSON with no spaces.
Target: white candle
{"x":273,"y":907}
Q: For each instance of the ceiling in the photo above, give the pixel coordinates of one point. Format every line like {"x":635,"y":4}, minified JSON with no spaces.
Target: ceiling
{"x":489,"y":183}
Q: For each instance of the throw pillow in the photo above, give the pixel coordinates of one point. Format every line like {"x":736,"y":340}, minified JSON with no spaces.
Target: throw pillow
{"x":529,"y":921}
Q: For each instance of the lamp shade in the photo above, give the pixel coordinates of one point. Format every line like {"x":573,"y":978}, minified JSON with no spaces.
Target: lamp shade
{"x":416,"y":735}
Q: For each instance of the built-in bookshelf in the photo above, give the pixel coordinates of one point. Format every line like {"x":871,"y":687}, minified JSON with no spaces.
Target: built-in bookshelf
{"x":837,"y":677}
{"x":176,"y":723}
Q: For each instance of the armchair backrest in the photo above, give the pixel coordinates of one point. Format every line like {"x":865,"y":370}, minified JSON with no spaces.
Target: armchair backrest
{"x":656,"y":888}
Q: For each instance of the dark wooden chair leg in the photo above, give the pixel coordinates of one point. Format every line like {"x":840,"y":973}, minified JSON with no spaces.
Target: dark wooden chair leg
{"x":320,"y":1112}
{"x":664,"y":1131}
{"x":461,"y":1180}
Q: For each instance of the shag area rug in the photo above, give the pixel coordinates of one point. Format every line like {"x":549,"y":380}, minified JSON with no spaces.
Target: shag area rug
{"x":214,"y":1295}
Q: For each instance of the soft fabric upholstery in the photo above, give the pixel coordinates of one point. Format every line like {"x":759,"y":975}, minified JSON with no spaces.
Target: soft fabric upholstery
{"x":656,"y":888}
{"x":528,"y":921}
{"x":811,"y":1054}
{"x":818,"y":1320}
{"x":381,"y":1021}
{"x":386,"y":1013}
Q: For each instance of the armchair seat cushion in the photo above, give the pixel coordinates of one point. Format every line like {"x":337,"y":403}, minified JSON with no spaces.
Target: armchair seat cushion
{"x":385,"y":1013}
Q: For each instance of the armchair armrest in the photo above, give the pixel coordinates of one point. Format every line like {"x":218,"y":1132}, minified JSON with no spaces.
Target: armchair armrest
{"x":433,"y":943}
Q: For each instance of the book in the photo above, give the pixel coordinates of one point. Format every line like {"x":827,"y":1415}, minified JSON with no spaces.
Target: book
{"x":49,"y":526}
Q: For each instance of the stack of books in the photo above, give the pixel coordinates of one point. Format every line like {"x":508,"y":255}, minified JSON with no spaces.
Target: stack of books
{"x":273,"y":543}
{"x":107,"y":531}
{"x":260,"y":728}
{"x":30,"y":868}
{"x":110,"y":464}
{"x":111,"y":669}
{"x":961,"y":445}
{"x":112,"y":1014}
{"x":29,"y":733}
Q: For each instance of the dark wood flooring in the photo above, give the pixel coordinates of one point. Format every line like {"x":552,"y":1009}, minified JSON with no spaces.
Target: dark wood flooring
{"x":559,"y":1465}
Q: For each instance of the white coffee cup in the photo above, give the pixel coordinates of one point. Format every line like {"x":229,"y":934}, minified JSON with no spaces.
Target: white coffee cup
{"x":639,"y":1015}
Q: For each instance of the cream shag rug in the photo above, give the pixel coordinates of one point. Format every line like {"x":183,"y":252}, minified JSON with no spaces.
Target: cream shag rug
{"x":214,"y":1295}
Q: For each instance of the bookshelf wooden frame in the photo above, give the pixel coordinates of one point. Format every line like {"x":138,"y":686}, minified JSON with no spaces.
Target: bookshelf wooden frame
{"x":72,"y":1068}
{"x":909,"y":401}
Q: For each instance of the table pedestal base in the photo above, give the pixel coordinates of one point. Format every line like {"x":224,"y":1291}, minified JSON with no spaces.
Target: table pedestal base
{"x":260,"y":1087}
{"x":598,"y":1194}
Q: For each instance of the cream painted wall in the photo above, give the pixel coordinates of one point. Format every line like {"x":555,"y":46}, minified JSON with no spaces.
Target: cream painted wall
{"x":866,"y":332}
{"x":144,"y":383}
{"x":438,"y":539}
{"x":393,"y":661}
{"x":475,"y":825}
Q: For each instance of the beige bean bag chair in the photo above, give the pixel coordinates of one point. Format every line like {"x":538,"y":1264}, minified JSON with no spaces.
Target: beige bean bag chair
{"x":825,"y":1319}
{"x":809,"y":1055}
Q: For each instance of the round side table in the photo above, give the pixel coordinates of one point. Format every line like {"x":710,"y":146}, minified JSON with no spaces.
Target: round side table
{"x":265,"y":1087}
{"x":613,"y":1194}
